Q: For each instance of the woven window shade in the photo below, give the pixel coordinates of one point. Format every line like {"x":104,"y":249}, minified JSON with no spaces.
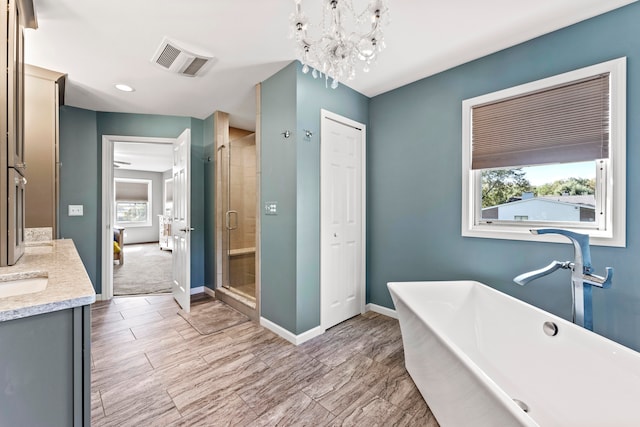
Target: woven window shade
{"x":132,"y":191}
{"x":568,"y":123}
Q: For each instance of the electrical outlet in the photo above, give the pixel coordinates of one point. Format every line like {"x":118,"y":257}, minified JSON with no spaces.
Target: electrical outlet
{"x":76,"y":210}
{"x":271,"y":208}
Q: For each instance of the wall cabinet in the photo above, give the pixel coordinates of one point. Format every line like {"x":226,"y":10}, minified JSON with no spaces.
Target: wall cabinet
{"x":44,"y":93}
{"x":45,"y":361}
{"x":19,"y":15}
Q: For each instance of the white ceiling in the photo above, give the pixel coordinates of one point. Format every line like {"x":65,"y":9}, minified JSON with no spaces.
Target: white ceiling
{"x":100,"y":43}
{"x":151,"y":157}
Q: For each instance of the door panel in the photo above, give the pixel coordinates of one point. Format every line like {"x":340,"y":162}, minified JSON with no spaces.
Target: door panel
{"x":181,"y":228}
{"x":342,"y":286}
{"x":15,"y":88}
{"x":15,"y":243}
{"x":238,"y":197}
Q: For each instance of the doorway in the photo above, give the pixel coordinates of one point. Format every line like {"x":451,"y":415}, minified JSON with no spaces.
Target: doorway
{"x":342,"y":228}
{"x":142,"y":203}
{"x":237,"y":219}
{"x":142,"y":215}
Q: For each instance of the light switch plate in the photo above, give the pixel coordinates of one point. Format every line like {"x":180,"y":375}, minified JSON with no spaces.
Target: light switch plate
{"x":271,"y":208}
{"x":76,"y":210}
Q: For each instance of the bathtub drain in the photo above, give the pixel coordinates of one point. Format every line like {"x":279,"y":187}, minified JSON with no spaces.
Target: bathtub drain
{"x":522,"y":405}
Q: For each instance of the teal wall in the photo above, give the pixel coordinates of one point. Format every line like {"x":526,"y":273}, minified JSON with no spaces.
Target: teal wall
{"x":146,"y":125}
{"x":197,"y":203}
{"x":278,"y":287}
{"x":290,"y":280}
{"x":414,"y":186}
{"x":81,"y":177}
{"x":209,"y":154}
{"x":79,"y":183}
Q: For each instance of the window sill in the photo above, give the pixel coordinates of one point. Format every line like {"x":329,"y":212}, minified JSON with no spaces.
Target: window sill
{"x":507,"y":232}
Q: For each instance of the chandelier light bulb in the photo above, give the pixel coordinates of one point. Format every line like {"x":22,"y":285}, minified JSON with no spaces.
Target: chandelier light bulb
{"x":346,"y":40}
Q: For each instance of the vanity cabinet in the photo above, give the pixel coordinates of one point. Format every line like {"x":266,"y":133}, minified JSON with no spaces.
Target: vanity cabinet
{"x":45,"y":363}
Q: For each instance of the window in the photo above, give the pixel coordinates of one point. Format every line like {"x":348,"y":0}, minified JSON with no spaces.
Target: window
{"x":550,"y":153}
{"x":133,"y":202}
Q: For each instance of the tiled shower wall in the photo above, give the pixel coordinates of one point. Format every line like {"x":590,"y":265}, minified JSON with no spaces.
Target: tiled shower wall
{"x":243,"y":200}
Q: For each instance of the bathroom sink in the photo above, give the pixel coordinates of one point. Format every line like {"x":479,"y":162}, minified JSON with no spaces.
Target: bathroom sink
{"x":22,"y":283}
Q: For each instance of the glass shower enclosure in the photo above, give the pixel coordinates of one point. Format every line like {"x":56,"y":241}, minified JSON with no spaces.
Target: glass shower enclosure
{"x":238,"y":174}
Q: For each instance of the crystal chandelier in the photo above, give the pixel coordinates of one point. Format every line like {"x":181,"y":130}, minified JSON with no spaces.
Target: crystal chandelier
{"x":338,"y":49}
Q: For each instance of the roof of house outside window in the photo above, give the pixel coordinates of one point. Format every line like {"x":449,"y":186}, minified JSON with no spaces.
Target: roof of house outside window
{"x":544,"y":208}
{"x":586,"y":200}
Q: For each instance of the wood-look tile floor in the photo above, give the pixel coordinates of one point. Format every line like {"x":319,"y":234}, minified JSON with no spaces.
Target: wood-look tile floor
{"x":151,"y":368}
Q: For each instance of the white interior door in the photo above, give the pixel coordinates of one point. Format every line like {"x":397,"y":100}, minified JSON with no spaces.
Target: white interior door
{"x":181,"y":228}
{"x":342,"y":219}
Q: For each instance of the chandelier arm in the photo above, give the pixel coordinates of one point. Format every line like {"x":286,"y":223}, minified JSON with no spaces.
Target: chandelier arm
{"x":367,"y":35}
{"x":375,"y":27}
{"x":307,"y":42}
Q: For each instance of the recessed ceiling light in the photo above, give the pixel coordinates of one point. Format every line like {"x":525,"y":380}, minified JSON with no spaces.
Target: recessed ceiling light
{"x":124,"y":88}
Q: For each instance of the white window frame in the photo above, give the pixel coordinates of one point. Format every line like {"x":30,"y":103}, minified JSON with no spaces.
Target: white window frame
{"x":133,"y":224}
{"x":614,"y":189}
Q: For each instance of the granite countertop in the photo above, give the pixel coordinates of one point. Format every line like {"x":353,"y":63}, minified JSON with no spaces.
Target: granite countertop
{"x":68,"y":284}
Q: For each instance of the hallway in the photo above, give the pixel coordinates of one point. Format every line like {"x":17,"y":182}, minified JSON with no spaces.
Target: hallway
{"x":150,"y":367}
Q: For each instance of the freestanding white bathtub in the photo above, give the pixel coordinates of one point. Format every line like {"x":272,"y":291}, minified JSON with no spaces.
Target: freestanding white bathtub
{"x":471,"y":350}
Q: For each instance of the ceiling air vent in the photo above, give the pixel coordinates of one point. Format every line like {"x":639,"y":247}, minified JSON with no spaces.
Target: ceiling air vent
{"x":178,"y":60}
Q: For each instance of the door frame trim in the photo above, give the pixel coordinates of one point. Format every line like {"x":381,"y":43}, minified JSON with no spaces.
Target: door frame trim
{"x":324,"y":116}
{"x":106,"y":235}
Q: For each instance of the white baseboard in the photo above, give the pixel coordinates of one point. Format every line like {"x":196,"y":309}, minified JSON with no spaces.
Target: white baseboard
{"x":209,"y":291}
{"x":292,"y":338}
{"x":99,"y":297}
{"x":198,"y":290}
{"x":382,"y":310}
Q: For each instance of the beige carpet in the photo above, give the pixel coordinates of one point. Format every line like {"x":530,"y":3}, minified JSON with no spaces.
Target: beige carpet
{"x":146,"y":270}
{"x":212,"y":316}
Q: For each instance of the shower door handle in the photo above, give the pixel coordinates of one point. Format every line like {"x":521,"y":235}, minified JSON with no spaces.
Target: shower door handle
{"x":228,"y":220}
